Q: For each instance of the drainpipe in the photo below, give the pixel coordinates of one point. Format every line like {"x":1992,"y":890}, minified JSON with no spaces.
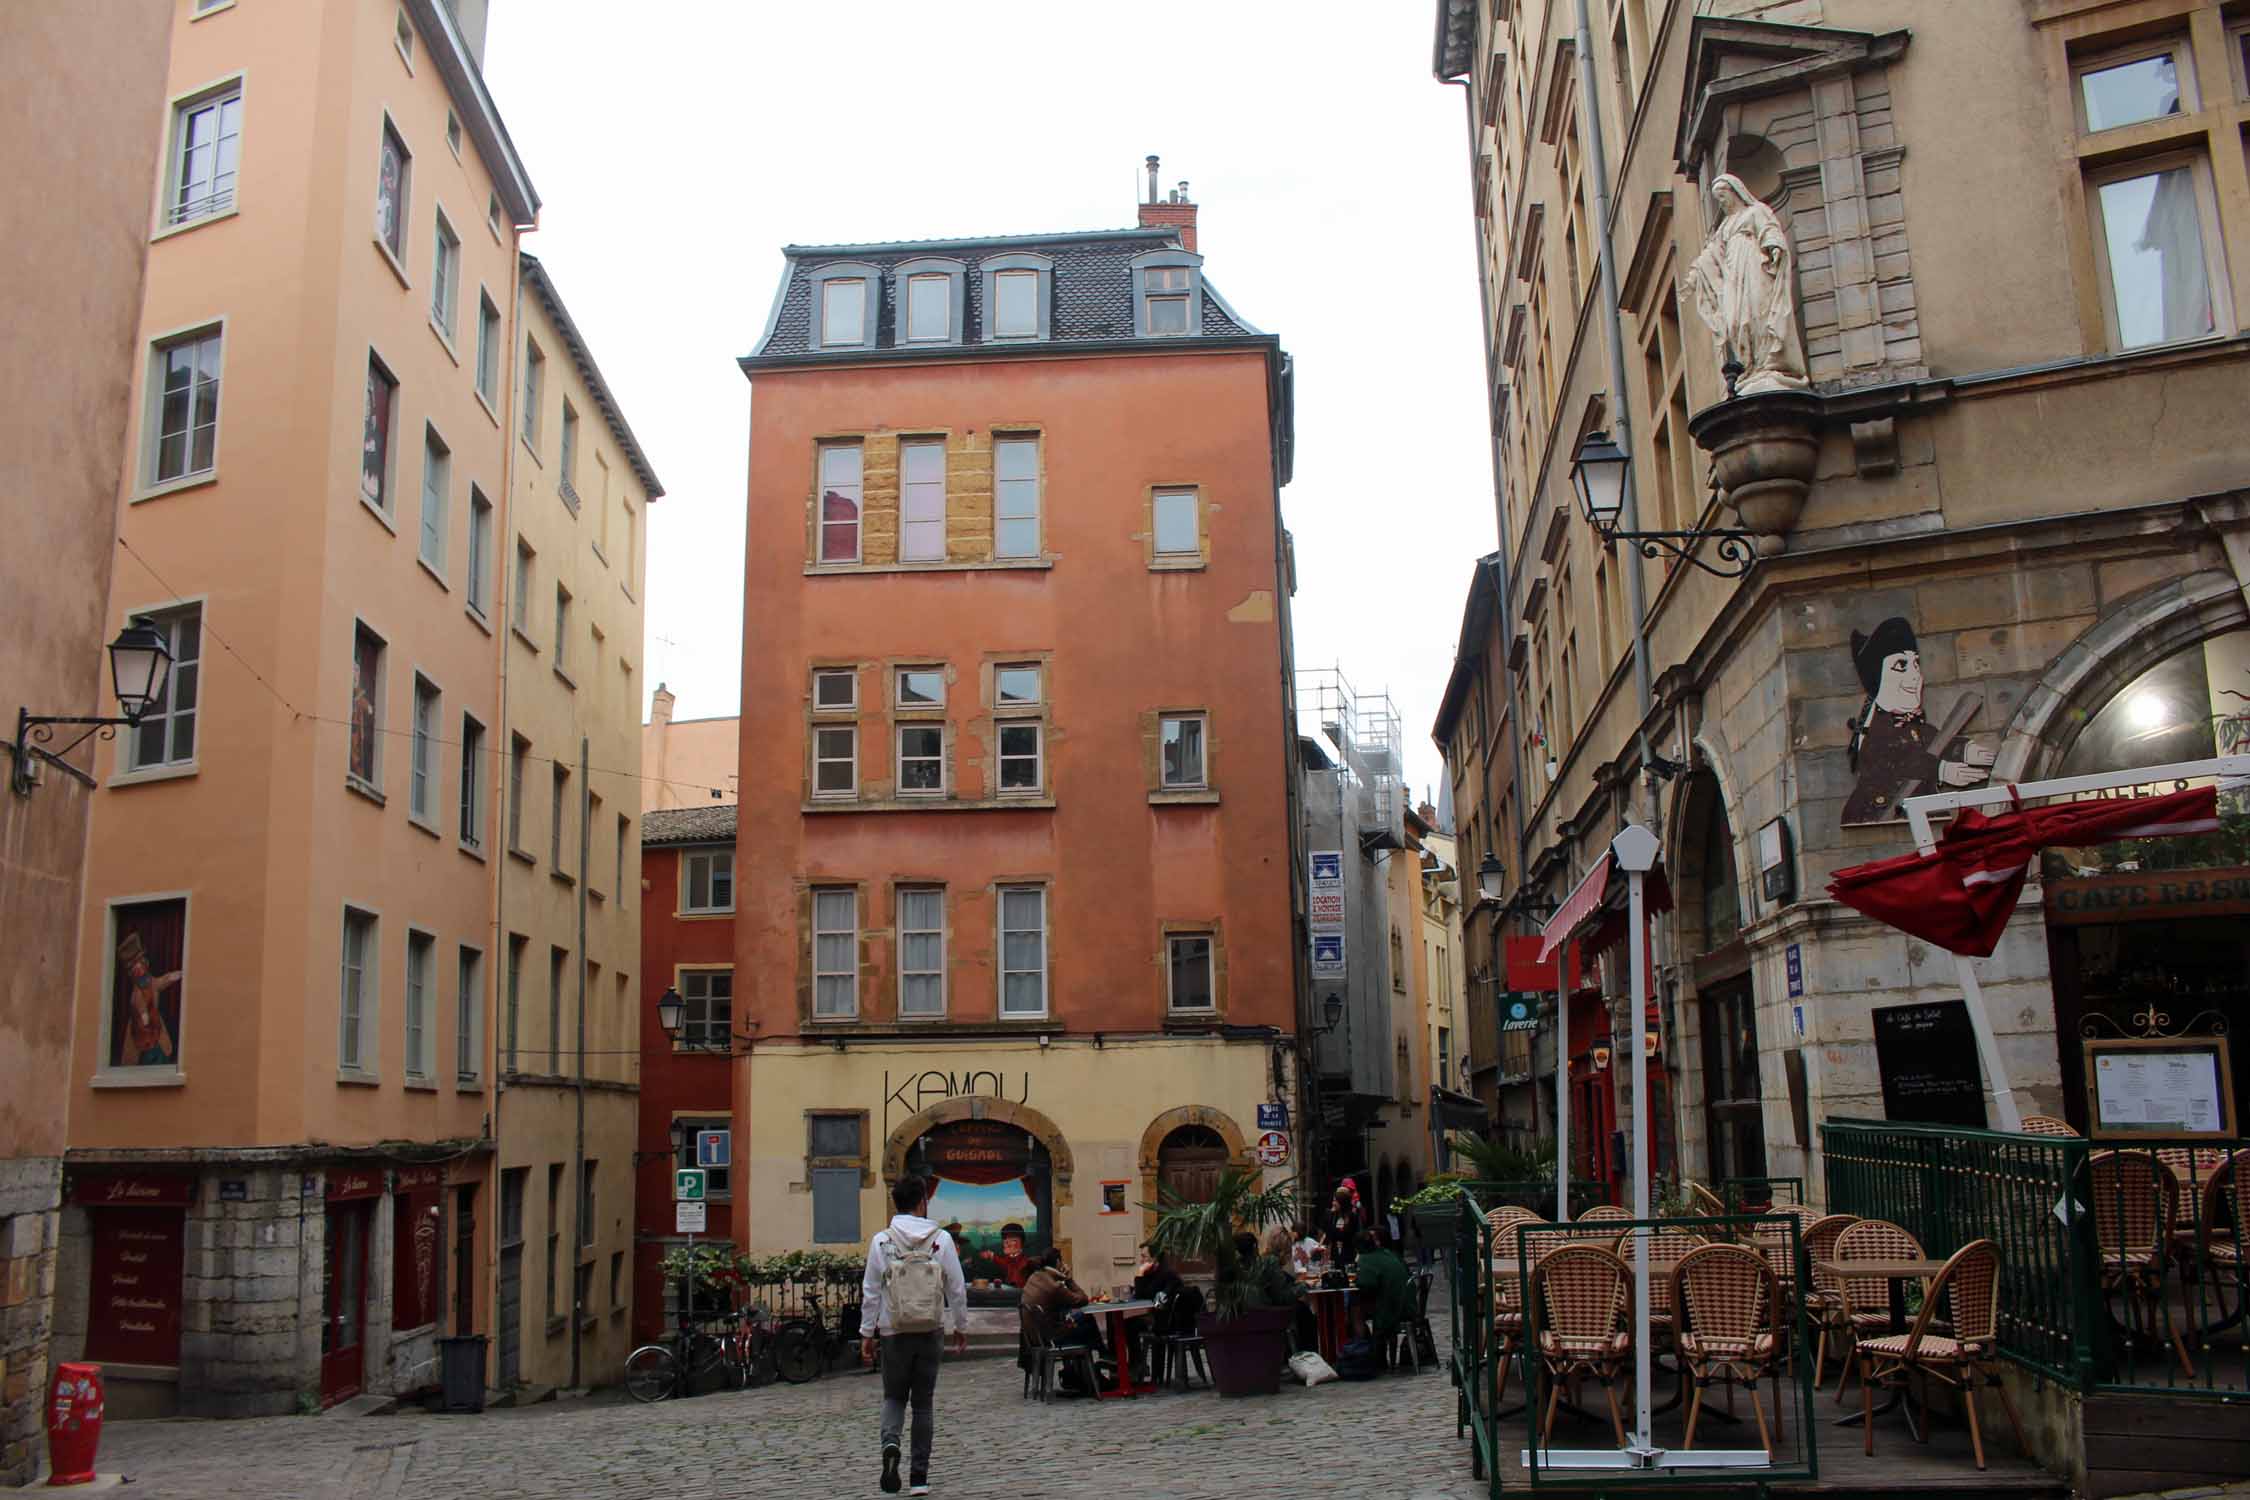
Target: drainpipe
{"x":585,"y":1230}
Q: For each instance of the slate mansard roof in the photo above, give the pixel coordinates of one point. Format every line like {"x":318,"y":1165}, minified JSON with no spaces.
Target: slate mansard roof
{"x":1092,"y":296}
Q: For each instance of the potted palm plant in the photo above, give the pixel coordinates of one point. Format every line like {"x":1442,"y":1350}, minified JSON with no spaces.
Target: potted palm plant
{"x":1254,"y":1297}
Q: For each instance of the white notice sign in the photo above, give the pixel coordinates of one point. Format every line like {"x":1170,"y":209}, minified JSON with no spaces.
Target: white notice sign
{"x":2158,"y":1092}
{"x":689,"y":1218}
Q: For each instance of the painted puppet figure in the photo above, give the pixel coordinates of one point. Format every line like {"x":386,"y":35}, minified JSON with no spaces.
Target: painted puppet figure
{"x":1896,"y":751}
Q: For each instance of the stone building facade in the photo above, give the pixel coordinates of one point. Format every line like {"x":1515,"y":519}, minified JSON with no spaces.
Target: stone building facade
{"x":2019,"y":259}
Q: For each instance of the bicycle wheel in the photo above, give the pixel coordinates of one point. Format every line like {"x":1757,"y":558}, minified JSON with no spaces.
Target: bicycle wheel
{"x":651,"y":1373}
{"x":796,"y":1352}
{"x":707,"y":1358}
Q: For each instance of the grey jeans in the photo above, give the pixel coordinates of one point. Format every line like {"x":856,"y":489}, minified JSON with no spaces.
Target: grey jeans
{"x":910,"y":1366}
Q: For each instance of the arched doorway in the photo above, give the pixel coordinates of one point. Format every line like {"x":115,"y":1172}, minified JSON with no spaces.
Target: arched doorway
{"x":1189,"y":1162}
{"x":2150,"y":928}
{"x":1710,"y":929}
{"x":997,"y":1163}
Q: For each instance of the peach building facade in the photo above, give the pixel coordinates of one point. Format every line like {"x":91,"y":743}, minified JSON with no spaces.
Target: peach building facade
{"x":282,"y":1099}
{"x":687,"y":763}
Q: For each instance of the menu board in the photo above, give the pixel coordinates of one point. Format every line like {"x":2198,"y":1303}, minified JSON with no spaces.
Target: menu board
{"x":1927,"y":1056}
{"x":2142,"y":1087}
{"x":133,"y":1314}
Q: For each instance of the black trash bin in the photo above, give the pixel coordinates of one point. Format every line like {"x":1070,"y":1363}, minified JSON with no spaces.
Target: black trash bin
{"x":461,"y":1371}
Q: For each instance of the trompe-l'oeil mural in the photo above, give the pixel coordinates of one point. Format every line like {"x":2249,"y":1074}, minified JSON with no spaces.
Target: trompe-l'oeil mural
{"x":1896,"y":751}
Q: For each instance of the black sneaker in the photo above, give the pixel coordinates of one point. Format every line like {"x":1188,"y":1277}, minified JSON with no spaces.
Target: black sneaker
{"x":890,"y":1468}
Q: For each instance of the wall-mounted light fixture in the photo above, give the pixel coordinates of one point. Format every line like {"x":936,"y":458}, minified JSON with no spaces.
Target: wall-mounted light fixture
{"x":1597,"y":473}
{"x":671,"y":1014}
{"x":1490,"y":877}
{"x":140,"y":667}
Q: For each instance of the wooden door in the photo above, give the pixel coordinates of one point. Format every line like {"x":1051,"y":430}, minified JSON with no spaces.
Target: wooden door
{"x":343,"y":1328}
{"x":1733,"y":1102}
{"x":465,"y":1259}
{"x":1188,"y":1166}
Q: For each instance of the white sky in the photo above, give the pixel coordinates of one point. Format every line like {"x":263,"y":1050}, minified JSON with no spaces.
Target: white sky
{"x":679,"y":145}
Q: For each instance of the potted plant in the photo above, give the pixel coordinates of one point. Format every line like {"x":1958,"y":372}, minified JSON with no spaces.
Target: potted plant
{"x":1253,"y":1298}
{"x":1436,"y":1208}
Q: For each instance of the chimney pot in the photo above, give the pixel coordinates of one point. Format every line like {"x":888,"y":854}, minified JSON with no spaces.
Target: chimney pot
{"x":1152,"y":178}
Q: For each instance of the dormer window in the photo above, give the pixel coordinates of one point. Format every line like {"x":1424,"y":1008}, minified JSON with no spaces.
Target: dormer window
{"x":925,"y":308}
{"x":843,"y":305}
{"x":1167,"y":294}
{"x":1168,"y":299}
{"x":1018,"y":297}
{"x":930,"y":300}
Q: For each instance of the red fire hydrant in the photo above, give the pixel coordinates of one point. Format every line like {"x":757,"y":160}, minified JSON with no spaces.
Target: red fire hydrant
{"x":74,"y":1424}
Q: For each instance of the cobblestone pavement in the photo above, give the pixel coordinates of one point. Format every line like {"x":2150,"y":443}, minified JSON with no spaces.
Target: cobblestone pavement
{"x":1392,"y":1437}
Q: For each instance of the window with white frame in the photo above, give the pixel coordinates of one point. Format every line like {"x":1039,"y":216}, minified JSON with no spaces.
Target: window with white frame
{"x":835,"y":691}
{"x":519,"y":606}
{"x":568,"y":484}
{"x":840,"y":492}
{"x":478,"y":584}
{"x":1182,"y":746}
{"x":445,"y":277}
{"x":354,"y":1052}
{"x":519,"y":948}
{"x":1179,"y":531}
{"x":421,"y":795}
{"x":2156,"y":227}
{"x":835,"y":760}
{"x":1020,"y":758}
{"x":166,"y":734}
{"x":1166,"y":292}
{"x":365,"y":746}
{"x":835,"y":953}
{"x":1018,"y":699}
{"x":405,"y":40}
{"x":558,"y":964}
{"x":534,"y":391}
{"x":453,"y":133}
{"x":183,"y":383}
{"x":558,"y":818}
{"x":519,"y":759}
{"x":1187,"y":968}
{"x":206,"y":146}
{"x":718,"y":1182}
{"x":707,"y":1008}
{"x":921,"y":687}
{"x":2128,"y":86}
{"x":394,"y":167}
{"x":921,"y":522}
{"x":488,"y":350}
{"x":468,"y":1014}
{"x":921,"y":760}
{"x":843,"y":311}
{"x":921,"y":950}
{"x":708,"y":881}
{"x":562,"y":628}
{"x":437,"y":484}
{"x":492,"y":213}
{"x":421,"y":957}
{"x":929,"y":307}
{"x":380,"y":413}
{"x":472,"y":783}
{"x":1019,"y":685}
{"x":1015,"y":497}
{"x":1023,"y":950}
{"x":1015,"y":304}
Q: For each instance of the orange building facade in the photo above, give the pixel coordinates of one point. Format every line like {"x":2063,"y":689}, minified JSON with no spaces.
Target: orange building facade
{"x":1015,"y":844}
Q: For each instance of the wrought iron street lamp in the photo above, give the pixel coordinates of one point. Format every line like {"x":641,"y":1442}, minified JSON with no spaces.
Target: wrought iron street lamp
{"x":1333,"y":1008}
{"x":140,"y":667}
{"x":1597,"y":473}
{"x":670,"y":1010}
{"x":1489,"y":877}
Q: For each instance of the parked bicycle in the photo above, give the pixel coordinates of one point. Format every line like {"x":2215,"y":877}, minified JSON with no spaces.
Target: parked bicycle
{"x":692,"y":1359}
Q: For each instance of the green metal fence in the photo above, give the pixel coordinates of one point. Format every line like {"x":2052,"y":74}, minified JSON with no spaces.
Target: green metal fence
{"x":2121,"y":1263}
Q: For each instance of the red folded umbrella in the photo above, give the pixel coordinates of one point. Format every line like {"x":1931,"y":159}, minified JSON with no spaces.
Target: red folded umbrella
{"x":1959,"y":895}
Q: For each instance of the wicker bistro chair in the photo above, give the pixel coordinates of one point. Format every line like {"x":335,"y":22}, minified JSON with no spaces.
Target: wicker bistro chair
{"x":1731,"y":1328}
{"x":1666,"y":1248}
{"x":1963,"y":1361}
{"x":1706,"y":1202}
{"x":1826,"y":1304}
{"x":2046,"y":1125}
{"x":1603,"y":1211}
{"x":1507,"y":1293}
{"x":1867,"y":1299}
{"x":2136,"y":1199}
{"x":1508,"y":1215}
{"x":1584,"y":1291}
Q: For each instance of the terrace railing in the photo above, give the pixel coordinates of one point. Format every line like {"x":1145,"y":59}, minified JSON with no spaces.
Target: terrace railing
{"x":2122,"y":1264}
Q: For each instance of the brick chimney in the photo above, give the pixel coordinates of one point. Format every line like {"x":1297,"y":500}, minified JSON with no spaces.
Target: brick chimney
{"x":1173,"y":210}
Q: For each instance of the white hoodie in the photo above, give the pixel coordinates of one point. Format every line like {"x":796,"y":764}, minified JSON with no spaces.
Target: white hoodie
{"x":874,"y":1314}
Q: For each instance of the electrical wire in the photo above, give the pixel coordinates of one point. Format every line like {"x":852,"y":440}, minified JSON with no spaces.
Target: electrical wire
{"x":258,"y":677}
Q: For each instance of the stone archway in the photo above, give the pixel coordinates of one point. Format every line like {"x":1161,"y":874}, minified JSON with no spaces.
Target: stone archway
{"x":1152,"y":1146}
{"x":983,"y":1107}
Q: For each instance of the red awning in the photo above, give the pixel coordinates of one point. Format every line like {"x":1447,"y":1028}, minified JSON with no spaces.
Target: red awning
{"x":1599,"y":902}
{"x":1959,"y":895}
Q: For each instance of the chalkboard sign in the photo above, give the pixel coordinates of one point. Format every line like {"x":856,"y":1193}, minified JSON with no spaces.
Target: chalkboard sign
{"x":1927,"y":1055}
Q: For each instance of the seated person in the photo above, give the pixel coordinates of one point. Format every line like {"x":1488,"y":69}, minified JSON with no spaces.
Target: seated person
{"x":1281,"y":1246}
{"x":1156,"y":1278}
{"x":1309,"y":1257}
{"x":1054,"y":1299}
{"x":1385,"y":1287}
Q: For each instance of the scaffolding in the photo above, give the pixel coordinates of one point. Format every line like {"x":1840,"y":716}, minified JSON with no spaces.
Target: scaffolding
{"x":1363,"y":729}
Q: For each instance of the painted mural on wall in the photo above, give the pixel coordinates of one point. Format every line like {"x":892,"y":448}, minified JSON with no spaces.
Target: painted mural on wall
{"x":146,"y":984}
{"x":993,"y":1192}
{"x":1896,"y":751}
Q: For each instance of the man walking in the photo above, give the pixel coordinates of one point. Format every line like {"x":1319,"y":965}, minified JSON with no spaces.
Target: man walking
{"x":912,"y":1288}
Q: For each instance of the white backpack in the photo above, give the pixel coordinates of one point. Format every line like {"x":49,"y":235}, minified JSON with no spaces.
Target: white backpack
{"x":913,"y":1284}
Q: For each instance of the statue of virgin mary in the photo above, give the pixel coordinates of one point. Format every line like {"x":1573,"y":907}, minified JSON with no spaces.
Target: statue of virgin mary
{"x":1745,"y":285}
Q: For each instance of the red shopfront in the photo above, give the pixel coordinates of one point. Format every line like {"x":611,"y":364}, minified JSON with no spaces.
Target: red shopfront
{"x":138,"y":1225}
{"x":351,"y":1196}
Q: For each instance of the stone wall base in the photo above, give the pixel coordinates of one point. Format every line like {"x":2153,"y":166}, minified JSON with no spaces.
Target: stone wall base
{"x":30,"y":1194}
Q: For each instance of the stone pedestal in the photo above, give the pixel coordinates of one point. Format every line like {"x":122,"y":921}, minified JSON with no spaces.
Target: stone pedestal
{"x":1763,"y":450}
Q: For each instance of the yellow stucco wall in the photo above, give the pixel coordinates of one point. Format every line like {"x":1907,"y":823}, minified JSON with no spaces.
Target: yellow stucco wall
{"x":1109,"y":1107}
